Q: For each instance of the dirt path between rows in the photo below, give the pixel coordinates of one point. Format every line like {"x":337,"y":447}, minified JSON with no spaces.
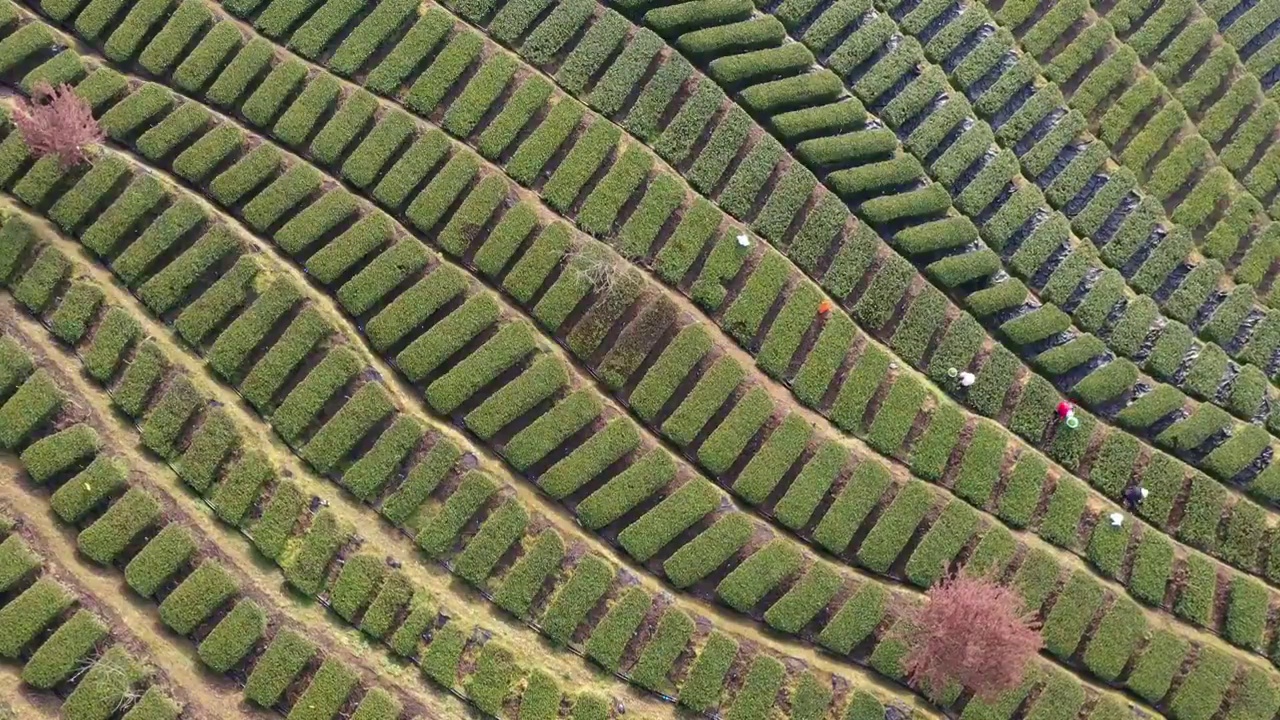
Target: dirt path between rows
{"x":132,"y":618}
{"x":457,"y":598}
{"x":17,"y":702}
{"x":261,"y":578}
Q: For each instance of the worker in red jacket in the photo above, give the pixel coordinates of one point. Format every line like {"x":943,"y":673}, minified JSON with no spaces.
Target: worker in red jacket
{"x":1065,"y":410}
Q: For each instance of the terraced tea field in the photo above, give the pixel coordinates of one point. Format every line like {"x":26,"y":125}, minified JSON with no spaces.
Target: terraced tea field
{"x":599,"y":359}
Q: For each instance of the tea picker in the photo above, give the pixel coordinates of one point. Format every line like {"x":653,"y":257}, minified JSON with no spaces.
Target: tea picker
{"x":1130,"y":498}
{"x":1133,"y":496}
{"x":1067,"y":413}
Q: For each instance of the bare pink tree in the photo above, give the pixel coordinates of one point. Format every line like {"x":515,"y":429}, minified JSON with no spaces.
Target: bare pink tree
{"x":972,"y":631}
{"x":57,"y":122}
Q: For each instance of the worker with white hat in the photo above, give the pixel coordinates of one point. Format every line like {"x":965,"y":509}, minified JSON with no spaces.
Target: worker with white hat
{"x":1133,"y":496}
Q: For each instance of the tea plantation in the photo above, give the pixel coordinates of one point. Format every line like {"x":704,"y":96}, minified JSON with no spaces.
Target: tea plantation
{"x":605,"y":359}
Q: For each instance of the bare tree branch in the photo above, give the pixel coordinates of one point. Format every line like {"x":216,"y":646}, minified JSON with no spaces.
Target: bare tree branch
{"x":602,"y":269}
